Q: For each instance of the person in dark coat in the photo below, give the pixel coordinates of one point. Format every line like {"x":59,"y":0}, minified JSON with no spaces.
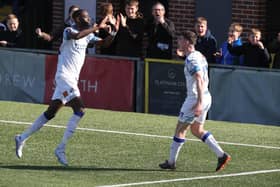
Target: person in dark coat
{"x":13,"y":36}
{"x":130,"y":27}
{"x":206,"y":43}
{"x":255,"y":54}
{"x":161,"y":32}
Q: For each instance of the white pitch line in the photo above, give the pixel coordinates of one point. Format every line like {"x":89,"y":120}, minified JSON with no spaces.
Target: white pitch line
{"x":140,"y":134}
{"x":195,"y":178}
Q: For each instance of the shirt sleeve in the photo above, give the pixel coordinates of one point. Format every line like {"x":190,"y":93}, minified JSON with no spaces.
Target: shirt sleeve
{"x":93,"y":38}
{"x":67,"y":32}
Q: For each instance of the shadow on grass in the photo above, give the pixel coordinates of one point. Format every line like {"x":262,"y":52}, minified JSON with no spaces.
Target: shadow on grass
{"x":75,"y":168}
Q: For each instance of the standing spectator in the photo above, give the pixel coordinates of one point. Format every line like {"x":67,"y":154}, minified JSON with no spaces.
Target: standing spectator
{"x":206,"y":42}
{"x":255,"y":54}
{"x":160,"y":31}
{"x":57,"y":33}
{"x":70,"y":62}
{"x":196,"y":105}
{"x":129,"y":39}
{"x":106,"y":25}
{"x":274,"y":47}
{"x":224,"y":56}
{"x":13,"y":36}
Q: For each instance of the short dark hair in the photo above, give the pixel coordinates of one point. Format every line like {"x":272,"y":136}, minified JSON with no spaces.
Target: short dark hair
{"x":77,"y":13}
{"x":190,"y":36}
{"x":72,"y":7}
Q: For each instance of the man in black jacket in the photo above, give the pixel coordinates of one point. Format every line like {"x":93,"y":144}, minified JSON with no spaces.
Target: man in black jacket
{"x":160,"y":33}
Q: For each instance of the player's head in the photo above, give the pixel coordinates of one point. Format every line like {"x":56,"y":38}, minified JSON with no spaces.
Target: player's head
{"x":82,"y":18}
{"x":72,"y":9}
{"x":186,"y":39}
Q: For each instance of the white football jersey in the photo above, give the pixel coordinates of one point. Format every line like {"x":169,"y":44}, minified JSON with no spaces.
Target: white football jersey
{"x":195,"y":62}
{"x":72,"y":55}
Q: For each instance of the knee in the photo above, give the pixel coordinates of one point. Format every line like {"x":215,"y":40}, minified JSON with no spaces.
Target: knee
{"x":197,"y":130}
{"x":79,"y":112}
{"x":49,"y":114}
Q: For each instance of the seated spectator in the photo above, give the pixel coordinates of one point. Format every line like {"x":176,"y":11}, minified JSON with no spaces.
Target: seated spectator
{"x":13,"y":36}
{"x":58,"y":32}
{"x":106,"y":25}
{"x":224,"y":56}
{"x":206,"y":43}
{"x":255,"y":54}
{"x":274,"y":47}
{"x":161,"y":32}
{"x":129,"y":38}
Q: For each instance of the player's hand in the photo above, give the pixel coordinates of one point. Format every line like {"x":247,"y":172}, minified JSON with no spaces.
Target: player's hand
{"x":95,"y":27}
{"x":3,"y":43}
{"x":197,"y":108}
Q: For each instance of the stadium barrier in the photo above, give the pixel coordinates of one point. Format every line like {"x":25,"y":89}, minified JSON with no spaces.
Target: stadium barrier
{"x":105,"y":82}
{"x":240,"y":94}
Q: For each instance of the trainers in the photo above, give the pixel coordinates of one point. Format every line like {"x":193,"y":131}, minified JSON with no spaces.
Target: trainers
{"x":60,"y":154}
{"x":19,"y":146}
{"x":166,"y":165}
{"x":222,"y":161}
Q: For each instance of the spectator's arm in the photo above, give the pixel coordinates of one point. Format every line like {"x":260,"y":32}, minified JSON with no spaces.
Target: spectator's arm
{"x":237,"y":50}
{"x":169,"y":27}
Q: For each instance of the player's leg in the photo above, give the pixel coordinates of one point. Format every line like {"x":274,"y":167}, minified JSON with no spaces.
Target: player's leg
{"x":185,"y":118}
{"x":78,"y":112}
{"x":197,"y":129}
{"x":54,"y":106}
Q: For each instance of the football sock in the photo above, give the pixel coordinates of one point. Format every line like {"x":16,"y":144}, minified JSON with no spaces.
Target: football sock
{"x":175,"y":149}
{"x":209,"y":139}
{"x":38,"y":123}
{"x":70,"y":129}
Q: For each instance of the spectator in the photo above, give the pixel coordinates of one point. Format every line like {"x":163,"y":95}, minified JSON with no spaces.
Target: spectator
{"x":274,"y":47}
{"x":206,"y":42}
{"x":255,"y":54}
{"x":107,"y":24}
{"x":13,"y":36}
{"x":224,"y":57}
{"x":161,"y":32}
{"x":2,"y":26}
{"x":58,"y":32}
{"x":129,"y":39}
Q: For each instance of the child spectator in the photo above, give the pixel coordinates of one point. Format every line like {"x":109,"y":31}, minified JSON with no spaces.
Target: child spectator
{"x":255,"y":54}
{"x":129,"y":39}
{"x":224,"y":56}
{"x":106,"y":25}
{"x":206,"y":43}
{"x":13,"y":36}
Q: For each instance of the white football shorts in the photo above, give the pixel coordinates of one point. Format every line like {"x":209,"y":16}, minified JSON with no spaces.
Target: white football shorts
{"x":187,"y":114}
{"x":65,"y":91}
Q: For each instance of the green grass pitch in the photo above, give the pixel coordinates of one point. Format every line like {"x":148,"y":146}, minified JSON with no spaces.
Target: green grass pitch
{"x":124,"y":149}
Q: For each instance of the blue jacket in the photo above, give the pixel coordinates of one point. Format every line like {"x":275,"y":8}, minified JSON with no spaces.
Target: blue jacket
{"x":228,"y":58}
